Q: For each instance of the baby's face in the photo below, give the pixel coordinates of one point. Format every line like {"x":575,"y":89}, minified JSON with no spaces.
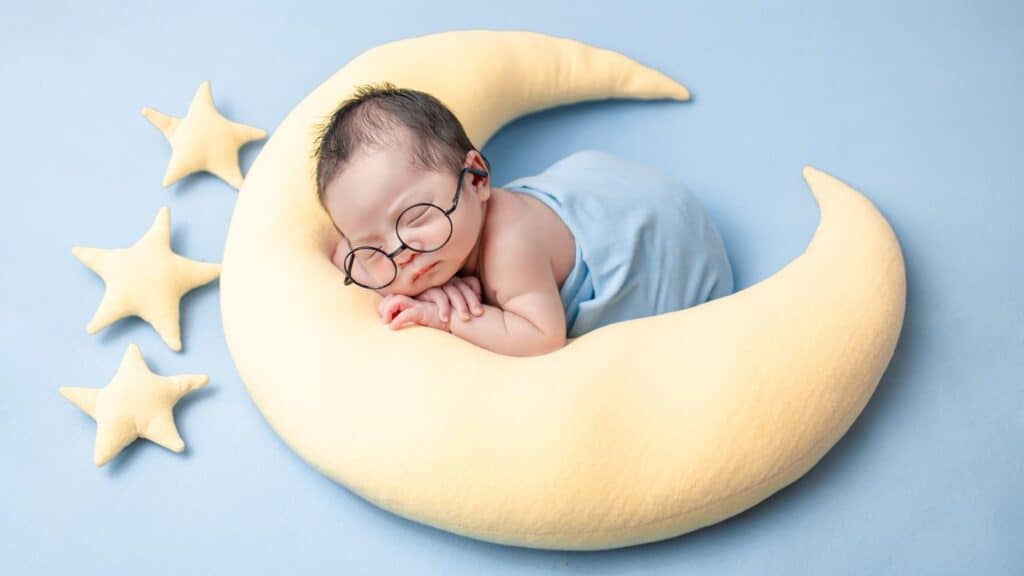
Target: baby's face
{"x":375,"y":186}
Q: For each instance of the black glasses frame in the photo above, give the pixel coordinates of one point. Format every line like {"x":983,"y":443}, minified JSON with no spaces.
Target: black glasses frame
{"x":350,"y":257}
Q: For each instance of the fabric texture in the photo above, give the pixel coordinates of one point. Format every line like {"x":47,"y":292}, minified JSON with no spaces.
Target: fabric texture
{"x":644,"y":244}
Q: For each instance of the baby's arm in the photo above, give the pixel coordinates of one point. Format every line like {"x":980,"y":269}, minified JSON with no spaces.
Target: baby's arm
{"x":529,"y":319}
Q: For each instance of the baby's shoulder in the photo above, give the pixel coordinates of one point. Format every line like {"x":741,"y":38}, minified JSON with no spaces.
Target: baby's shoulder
{"x":505,"y":226}
{"x":513,"y":256}
{"x":505,"y":209}
{"x":499,"y":231}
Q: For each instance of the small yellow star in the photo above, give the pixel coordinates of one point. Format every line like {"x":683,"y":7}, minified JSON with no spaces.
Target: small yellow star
{"x":136,"y":403}
{"x":203,"y":140}
{"x":146,"y":280}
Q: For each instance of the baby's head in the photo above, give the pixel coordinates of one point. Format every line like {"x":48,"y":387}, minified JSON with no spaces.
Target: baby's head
{"x":383,"y":151}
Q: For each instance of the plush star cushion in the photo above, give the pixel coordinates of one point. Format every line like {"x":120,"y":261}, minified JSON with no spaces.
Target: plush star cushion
{"x":635,"y":432}
{"x":146,"y":279}
{"x":203,"y":140}
{"x":136,"y":403}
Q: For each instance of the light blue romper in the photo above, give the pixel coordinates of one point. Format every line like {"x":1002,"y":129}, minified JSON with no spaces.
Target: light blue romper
{"x":644,"y":245}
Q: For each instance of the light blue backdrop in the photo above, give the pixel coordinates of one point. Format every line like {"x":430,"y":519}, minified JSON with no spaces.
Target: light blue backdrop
{"x":917,"y":105}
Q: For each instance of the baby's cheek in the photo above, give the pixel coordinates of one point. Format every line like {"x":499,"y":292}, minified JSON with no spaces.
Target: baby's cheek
{"x":435,"y":284}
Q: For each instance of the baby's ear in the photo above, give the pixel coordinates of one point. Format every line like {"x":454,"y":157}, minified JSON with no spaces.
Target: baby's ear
{"x":484,"y":190}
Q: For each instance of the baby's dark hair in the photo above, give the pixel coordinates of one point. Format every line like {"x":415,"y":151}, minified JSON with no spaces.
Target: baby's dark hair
{"x":369,"y":119}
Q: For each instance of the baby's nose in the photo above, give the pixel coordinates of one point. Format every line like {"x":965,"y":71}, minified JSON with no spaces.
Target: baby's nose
{"x":409,"y":256}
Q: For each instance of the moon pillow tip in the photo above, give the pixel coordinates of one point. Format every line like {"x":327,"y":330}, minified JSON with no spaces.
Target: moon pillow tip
{"x":638,"y":432}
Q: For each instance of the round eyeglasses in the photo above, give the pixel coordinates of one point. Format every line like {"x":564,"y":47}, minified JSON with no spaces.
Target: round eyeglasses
{"x":423,"y":227}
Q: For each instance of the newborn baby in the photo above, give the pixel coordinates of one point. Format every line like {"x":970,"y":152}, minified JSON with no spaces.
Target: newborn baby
{"x":594,"y":239}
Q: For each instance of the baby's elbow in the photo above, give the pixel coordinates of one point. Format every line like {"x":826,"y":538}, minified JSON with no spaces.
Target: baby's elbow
{"x":533,"y":335}
{"x":538,"y":345}
{"x":548,"y":343}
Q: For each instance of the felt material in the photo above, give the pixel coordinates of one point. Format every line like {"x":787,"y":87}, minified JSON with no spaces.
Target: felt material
{"x":146,"y":280}
{"x":136,"y":403}
{"x":635,"y":432}
{"x":203,"y":140}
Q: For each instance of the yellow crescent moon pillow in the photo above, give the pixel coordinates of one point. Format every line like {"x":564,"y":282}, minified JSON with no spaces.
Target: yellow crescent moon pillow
{"x":634,"y":432}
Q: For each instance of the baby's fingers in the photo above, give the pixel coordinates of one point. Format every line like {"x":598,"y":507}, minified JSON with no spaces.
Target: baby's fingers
{"x":382,"y":306}
{"x":457,"y":299}
{"x":413,"y":314}
{"x":437,"y":296}
{"x":474,"y":284}
{"x":471,"y":297}
{"x":394,"y":304}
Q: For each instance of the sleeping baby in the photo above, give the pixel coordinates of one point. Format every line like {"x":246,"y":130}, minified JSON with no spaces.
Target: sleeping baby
{"x":519,"y":269}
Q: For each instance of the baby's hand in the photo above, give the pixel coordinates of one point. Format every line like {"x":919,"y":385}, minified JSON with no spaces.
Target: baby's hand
{"x":461,"y":292}
{"x":398,"y":309}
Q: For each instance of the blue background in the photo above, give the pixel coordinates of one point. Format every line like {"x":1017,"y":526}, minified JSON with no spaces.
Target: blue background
{"x":918,"y":105}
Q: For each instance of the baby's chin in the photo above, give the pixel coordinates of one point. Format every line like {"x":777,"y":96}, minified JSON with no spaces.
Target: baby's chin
{"x":433,"y":282}
{"x":441,"y":280}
